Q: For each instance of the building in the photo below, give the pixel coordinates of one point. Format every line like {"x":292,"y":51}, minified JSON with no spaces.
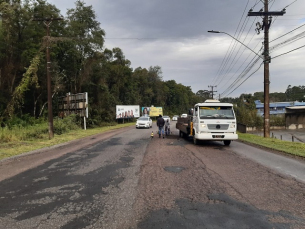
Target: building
{"x":295,"y":117}
{"x":277,"y":108}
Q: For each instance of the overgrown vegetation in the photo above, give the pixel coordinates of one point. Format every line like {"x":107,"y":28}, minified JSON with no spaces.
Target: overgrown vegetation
{"x":29,"y":128}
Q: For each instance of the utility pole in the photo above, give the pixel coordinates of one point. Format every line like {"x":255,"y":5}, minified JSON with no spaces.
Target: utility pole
{"x":212,"y":90}
{"x":266,"y":26}
{"x":47,"y":22}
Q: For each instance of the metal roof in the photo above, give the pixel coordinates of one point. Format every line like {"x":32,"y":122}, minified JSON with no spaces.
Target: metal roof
{"x":296,"y":108}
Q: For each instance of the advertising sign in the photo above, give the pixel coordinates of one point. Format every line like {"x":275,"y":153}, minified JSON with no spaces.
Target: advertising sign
{"x":73,"y":104}
{"x":152,"y":111}
{"x":127,"y":111}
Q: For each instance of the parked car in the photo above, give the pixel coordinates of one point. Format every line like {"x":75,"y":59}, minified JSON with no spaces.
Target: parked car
{"x":144,"y":122}
{"x":175,"y":117}
{"x":166,"y":117}
{"x":184,"y":116}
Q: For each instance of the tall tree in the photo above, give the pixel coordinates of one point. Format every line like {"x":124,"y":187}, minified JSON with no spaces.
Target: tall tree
{"x":87,"y":38}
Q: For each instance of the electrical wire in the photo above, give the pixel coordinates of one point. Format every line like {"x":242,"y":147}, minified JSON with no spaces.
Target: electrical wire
{"x":290,"y":4}
{"x":288,"y":41}
{"x":227,"y":57}
{"x":232,"y":61}
{"x":288,"y":52}
{"x":287,"y":33}
{"x":242,"y":75}
{"x":242,"y":52}
{"x":246,"y":79}
{"x":233,"y":64}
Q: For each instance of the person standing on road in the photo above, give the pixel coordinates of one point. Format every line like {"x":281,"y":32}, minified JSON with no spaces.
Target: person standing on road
{"x":167,"y":128}
{"x":160,"y":124}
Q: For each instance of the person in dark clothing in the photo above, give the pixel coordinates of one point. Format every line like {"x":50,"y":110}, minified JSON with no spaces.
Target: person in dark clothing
{"x":160,"y":124}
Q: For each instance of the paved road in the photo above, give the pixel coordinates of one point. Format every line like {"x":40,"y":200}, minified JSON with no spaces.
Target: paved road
{"x":125,"y":179}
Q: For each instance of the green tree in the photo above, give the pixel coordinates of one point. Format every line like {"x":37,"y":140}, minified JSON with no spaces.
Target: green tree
{"x":80,"y":52}
{"x":204,"y":94}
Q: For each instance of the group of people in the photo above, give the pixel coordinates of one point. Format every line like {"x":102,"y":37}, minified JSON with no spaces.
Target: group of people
{"x":126,"y":114}
{"x":161,"y":125}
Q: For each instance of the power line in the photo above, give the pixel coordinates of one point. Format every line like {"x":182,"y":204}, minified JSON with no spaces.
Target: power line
{"x":288,"y":52}
{"x":288,"y":41}
{"x":233,"y":63}
{"x":241,"y":53}
{"x":271,"y":49}
{"x":228,"y":56}
{"x":290,"y":4}
{"x":287,"y":33}
{"x":242,"y":75}
{"x":246,"y":79}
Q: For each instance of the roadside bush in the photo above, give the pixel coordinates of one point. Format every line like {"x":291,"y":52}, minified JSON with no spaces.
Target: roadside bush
{"x":28,"y":128}
{"x":277,"y":120}
{"x":71,"y":122}
{"x":23,"y":121}
{"x":7,"y":135}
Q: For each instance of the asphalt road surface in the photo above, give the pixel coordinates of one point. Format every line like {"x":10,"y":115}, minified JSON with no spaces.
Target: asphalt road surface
{"x":125,"y":179}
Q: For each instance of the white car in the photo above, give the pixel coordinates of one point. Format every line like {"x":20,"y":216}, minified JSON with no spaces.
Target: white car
{"x":175,"y":117}
{"x":166,"y":117}
{"x":144,"y":122}
{"x":184,"y":116}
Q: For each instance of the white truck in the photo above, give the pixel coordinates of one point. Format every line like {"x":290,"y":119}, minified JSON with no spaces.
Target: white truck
{"x":211,"y":120}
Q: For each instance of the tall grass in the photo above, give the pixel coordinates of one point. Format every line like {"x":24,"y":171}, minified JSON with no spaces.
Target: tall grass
{"x":25,"y":130}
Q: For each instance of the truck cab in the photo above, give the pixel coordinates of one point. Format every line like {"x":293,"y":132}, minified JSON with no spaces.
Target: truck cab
{"x":214,"y":121}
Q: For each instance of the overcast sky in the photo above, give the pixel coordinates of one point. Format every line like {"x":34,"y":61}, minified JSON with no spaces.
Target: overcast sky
{"x":173,"y":35}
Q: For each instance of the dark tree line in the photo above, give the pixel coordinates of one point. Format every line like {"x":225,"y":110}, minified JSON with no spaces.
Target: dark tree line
{"x":79,"y":63}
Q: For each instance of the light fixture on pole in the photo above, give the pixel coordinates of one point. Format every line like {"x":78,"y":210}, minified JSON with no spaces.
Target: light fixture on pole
{"x":213,"y":31}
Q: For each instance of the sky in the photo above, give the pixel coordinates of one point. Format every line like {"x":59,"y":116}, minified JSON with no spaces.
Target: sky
{"x":173,"y":34}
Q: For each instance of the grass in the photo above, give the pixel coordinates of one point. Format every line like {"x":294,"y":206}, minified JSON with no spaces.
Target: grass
{"x":293,"y":148}
{"x":13,"y":145}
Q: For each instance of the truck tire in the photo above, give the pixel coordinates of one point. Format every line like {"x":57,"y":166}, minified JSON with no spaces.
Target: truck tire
{"x":227,"y":142}
{"x":195,"y":141}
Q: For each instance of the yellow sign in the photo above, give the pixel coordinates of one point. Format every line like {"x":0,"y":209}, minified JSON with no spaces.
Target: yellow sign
{"x":152,"y":111}
{"x":155,"y":111}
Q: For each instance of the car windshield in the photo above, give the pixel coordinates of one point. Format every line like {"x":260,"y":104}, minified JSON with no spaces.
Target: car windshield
{"x":165,"y":116}
{"x":219,"y":112}
{"x":143,"y":119}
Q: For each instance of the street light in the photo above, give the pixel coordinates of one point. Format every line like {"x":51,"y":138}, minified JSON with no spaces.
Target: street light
{"x":266,"y":59}
{"x":212,"y":31}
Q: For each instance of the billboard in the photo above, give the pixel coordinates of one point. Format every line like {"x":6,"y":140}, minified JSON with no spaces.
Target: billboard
{"x":152,"y":111}
{"x":127,"y":111}
{"x":73,"y":104}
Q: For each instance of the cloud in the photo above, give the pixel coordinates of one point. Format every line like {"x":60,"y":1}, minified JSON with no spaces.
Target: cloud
{"x":173,"y":34}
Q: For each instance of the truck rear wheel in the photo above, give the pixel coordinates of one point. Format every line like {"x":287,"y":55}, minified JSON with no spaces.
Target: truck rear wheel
{"x":195,"y":141}
{"x":227,"y":142}
{"x":181,"y":134}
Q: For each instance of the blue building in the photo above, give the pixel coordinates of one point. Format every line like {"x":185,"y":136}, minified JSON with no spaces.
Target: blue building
{"x":277,"y":108}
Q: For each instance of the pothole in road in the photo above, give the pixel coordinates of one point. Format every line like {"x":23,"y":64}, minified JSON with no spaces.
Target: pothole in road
{"x":174,"y":169}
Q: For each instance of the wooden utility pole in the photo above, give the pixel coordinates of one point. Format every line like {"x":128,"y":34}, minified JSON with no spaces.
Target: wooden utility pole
{"x":212,"y":90}
{"x":266,"y":26}
{"x":47,"y":22}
